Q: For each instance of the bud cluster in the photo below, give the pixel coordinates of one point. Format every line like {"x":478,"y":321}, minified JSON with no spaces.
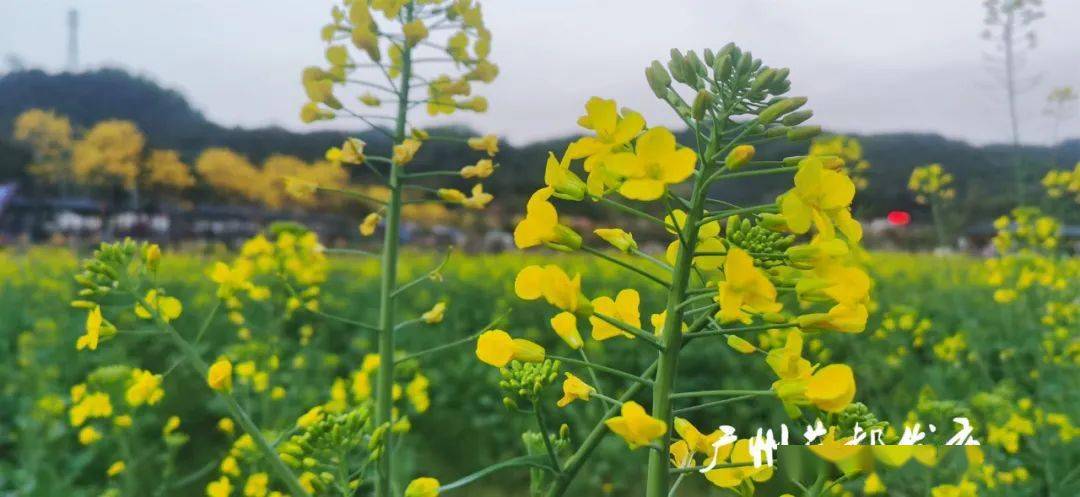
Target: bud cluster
{"x":731,"y":83}
{"x":322,"y":444}
{"x":857,"y":414}
{"x":525,"y":381}
{"x":766,"y":246}
{"x":115,"y":267}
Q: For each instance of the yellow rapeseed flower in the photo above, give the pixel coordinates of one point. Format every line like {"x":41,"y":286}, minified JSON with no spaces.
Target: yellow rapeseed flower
{"x":657,"y":161}
{"x":612,"y":130}
{"x":498,"y":348}
{"x":423,"y":487}
{"x":414,"y":32}
{"x":90,"y":339}
{"x":635,"y":426}
{"x":486,"y":143}
{"x":371,"y":221}
{"x":221,"y":487}
{"x":617,"y":238}
{"x":574,"y":389}
{"x":256,"y":485}
{"x":831,"y":388}
{"x":219,"y":377}
{"x":116,"y":468}
{"x":733,"y":477}
{"x":435,"y":315}
{"x":822,"y":198}
{"x":145,"y":388}
{"x":745,"y":287}
{"x":541,"y":225}
{"x":552,"y":283}
{"x":479,"y":199}
{"x":88,"y":435}
{"x":405,"y":151}
{"x":565,"y":325}
{"x":169,"y":308}
{"x":482,"y":169}
{"x":564,"y":182}
{"x":625,"y":308}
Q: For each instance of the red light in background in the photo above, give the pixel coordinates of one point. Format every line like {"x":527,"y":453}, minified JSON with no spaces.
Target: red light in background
{"x":899,"y":218}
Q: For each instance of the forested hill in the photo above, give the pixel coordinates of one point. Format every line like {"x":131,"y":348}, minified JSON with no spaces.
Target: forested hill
{"x":170,"y":121}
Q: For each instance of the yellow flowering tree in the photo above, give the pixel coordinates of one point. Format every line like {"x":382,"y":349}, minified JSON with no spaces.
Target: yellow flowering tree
{"x":113,"y":153}
{"x":49,"y":137}
{"x":375,"y":53}
{"x":730,"y":271}
{"x":933,"y":186}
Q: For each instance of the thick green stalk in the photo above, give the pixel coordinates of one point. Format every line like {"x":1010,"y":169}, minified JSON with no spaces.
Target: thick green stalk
{"x":581,"y":455}
{"x":235,"y":410}
{"x":939,"y":227}
{"x":658,"y":484}
{"x":384,"y":401}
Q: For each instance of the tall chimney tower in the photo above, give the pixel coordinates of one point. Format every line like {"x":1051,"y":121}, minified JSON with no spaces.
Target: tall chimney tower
{"x":73,"y":40}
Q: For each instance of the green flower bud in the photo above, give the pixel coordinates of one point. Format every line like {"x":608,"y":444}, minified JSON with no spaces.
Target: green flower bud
{"x":793,"y":160}
{"x":803,"y":132}
{"x":722,"y":67}
{"x":763,"y":79}
{"x":702,"y":102}
{"x":797,"y":118}
{"x":289,"y":460}
{"x":772,"y":112}
{"x":776,"y":131}
{"x":658,"y":78}
{"x":745,"y":63}
{"x":739,"y":156}
{"x":567,"y":240}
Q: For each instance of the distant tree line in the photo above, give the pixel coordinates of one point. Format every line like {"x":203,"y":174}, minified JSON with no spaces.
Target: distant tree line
{"x":127,"y":134}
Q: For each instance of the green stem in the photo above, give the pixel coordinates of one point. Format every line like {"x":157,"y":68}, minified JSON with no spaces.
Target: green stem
{"x":384,"y":402}
{"x":532,"y":461}
{"x":625,"y":265}
{"x":235,"y":410}
{"x":731,"y":212}
{"x":714,"y":403}
{"x":633,"y":330}
{"x":641,"y":380}
{"x":721,"y":393}
{"x":607,"y":399}
{"x":939,"y":227}
{"x":581,"y":456}
{"x":741,"y":329}
{"x":657,"y":484}
{"x":759,"y":172}
{"x":718,"y":466}
{"x":592,"y":373}
{"x":351,"y":193}
{"x":423,"y":278}
{"x":537,"y":408}
{"x":632,"y":211}
{"x":426,"y":174}
{"x":347,"y":251}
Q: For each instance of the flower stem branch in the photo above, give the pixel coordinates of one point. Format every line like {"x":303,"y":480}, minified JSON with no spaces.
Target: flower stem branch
{"x":235,"y":410}
{"x":641,"y":380}
{"x":625,"y":265}
{"x":721,"y":393}
{"x":530,"y":461}
{"x":592,"y":440}
{"x":633,"y":330}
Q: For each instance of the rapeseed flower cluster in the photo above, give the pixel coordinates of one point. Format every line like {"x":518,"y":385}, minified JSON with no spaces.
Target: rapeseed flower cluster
{"x":729,"y":272}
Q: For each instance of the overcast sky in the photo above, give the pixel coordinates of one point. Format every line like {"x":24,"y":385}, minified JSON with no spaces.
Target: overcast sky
{"x":867,"y":66}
